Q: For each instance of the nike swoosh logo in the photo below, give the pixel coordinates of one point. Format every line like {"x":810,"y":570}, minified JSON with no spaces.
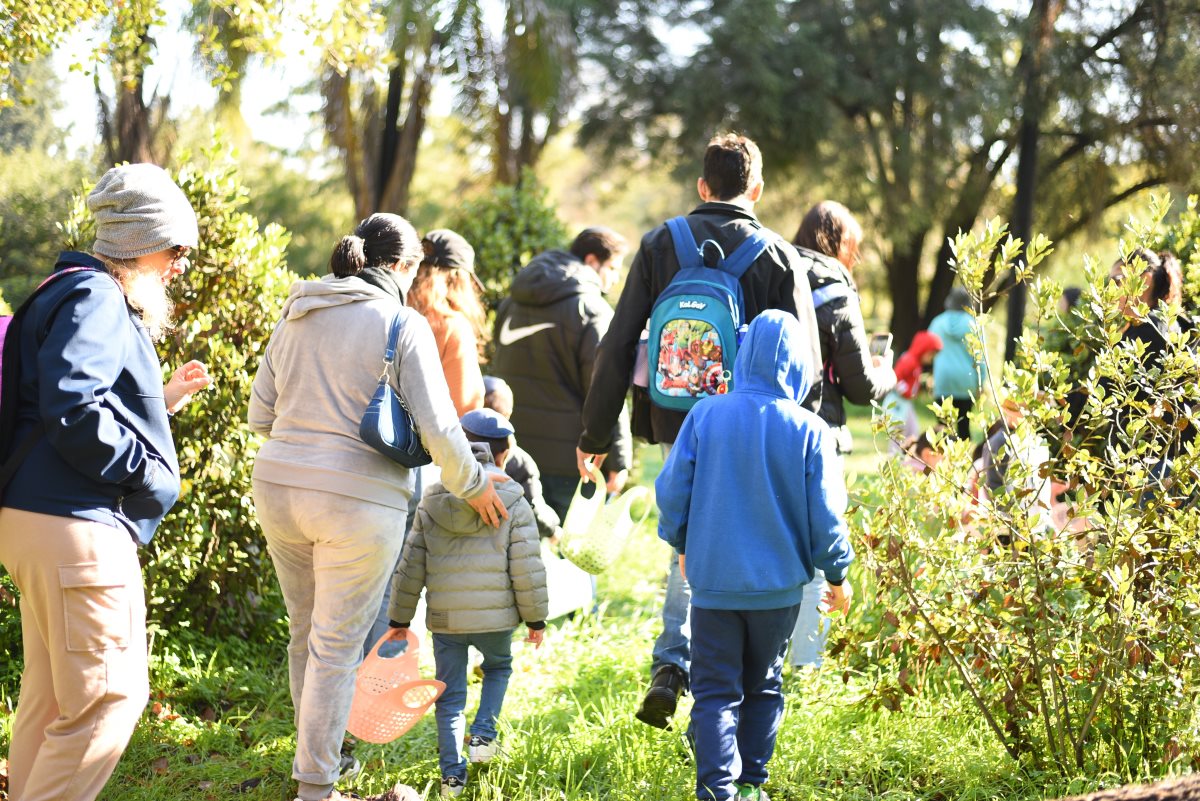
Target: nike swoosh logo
{"x":509,"y":336}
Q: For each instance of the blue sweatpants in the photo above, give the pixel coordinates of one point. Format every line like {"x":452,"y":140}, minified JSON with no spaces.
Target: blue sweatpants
{"x":736,"y":681}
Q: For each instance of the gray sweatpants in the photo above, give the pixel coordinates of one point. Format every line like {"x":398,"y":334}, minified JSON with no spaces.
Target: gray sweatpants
{"x":333,"y":556}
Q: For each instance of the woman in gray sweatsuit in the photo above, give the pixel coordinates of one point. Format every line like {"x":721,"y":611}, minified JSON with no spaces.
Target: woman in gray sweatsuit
{"x":332,"y":508}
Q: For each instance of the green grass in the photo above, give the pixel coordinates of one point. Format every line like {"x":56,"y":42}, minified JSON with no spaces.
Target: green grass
{"x":221,"y":721}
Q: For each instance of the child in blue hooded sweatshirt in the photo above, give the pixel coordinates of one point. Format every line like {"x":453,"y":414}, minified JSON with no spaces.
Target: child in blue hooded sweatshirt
{"x":753,"y":500}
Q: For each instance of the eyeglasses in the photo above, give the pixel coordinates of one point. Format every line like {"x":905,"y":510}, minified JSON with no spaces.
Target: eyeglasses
{"x":179,"y":253}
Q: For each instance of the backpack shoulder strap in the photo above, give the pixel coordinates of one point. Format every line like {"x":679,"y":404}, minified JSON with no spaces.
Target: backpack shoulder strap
{"x":737,"y":262}
{"x":829,"y":293}
{"x":686,"y":250}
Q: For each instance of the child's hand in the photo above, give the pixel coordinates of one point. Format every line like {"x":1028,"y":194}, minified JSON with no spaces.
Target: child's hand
{"x":535,"y":636}
{"x":837,"y":597}
{"x":683,"y":567}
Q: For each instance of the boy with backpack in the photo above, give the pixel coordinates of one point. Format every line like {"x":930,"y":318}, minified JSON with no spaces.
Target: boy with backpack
{"x":481,"y":583}
{"x":747,"y":562}
{"x":689,"y":350}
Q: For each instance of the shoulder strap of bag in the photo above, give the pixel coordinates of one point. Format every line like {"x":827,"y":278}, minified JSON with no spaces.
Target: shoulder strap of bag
{"x":8,"y":414}
{"x":829,"y":293}
{"x":686,"y":250}
{"x":393,"y":337}
{"x":746,"y":253}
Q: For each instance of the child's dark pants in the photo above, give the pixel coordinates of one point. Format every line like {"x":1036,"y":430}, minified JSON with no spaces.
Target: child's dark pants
{"x":737,"y":673}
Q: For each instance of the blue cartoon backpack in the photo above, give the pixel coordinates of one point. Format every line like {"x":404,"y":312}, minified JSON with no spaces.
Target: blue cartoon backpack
{"x":698,"y":320}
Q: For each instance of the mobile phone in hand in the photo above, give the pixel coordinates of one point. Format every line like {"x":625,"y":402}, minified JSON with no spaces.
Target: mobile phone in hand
{"x":880,"y":344}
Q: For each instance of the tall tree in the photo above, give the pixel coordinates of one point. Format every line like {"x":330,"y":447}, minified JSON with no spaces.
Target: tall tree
{"x":375,"y":121}
{"x":518,"y":84}
{"x":1039,"y":40}
{"x":133,"y":127}
{"x":915,"y":107}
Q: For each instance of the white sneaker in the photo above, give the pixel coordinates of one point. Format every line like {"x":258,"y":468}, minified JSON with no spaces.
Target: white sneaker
{"x":452,"y":787}
{"x":481,"y":750}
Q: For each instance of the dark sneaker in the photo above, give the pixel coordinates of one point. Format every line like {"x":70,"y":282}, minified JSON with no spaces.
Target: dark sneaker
{"x":481,"y":750}
{"x":658,"y":707}
{"x":452,"y":787}
{"x":348,"y":766}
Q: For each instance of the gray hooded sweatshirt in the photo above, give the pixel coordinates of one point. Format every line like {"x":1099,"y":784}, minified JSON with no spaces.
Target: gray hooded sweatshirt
{"x":479,"y":578}
{"x":315,"y":379}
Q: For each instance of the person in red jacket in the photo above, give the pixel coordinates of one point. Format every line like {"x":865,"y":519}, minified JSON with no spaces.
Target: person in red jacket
{"x":909,"y":366}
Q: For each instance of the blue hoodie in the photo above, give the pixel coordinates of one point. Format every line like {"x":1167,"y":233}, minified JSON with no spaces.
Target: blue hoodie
{"x":752,"y":492}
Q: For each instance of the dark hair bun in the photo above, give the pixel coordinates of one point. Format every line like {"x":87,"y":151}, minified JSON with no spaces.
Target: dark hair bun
{"x":349,"y":256}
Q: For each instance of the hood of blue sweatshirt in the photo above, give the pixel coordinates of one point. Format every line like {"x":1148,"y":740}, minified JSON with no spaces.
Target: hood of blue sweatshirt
{"x":752,"y":490}
{"x":771,"y":359}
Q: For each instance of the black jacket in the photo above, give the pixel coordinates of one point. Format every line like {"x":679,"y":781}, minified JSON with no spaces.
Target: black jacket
{"x":775,"y":281}
{"x":522,"y":469}
{"x":845,"y":353}
{"x":547,"y":332}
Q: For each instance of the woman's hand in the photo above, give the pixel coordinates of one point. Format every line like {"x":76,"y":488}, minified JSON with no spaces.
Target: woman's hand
{"x":186,"y":380}
{"x":488,"y":505}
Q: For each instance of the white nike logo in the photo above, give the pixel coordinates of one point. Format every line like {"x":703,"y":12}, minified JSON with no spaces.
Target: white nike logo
{"x":508,"y":335}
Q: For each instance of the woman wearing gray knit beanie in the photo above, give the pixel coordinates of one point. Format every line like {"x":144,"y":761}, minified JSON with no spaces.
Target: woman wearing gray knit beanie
{"x":89,"y":470}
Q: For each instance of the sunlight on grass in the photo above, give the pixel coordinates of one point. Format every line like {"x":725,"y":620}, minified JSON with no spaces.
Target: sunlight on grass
{"x":220,"y":721}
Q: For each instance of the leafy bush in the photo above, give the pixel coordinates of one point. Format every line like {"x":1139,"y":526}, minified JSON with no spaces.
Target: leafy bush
{"x":35,"y":190}
{"x":208,"y":565}
{"x":1076,"y":636}
{"x":1183,"y":239}
{"x":507,"y":229}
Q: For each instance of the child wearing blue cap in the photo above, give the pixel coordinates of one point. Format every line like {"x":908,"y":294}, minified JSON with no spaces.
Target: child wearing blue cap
{"x":480,"y":582}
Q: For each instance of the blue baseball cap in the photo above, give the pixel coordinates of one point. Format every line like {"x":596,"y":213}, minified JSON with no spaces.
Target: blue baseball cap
{"x":487,"y":424}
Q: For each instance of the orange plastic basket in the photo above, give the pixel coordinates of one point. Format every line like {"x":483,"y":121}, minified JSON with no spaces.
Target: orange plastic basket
{"x":389,"y":695}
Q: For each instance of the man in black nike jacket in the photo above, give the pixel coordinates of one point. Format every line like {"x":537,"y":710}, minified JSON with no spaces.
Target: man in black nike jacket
{"x":547,"y":332}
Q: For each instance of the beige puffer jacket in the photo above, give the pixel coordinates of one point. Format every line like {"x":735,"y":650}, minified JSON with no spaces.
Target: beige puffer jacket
{"x":478,"y":578}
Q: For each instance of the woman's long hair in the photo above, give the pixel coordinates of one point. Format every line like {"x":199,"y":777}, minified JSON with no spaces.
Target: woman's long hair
{"x":439,"y":292}
{"x":1163,"y":275}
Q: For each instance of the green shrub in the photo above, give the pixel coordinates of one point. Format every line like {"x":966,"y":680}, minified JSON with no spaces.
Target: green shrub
{"x":1077,"y":639}
{"x":1183,"y":239}
{"x":507,"y":229}
{"x":35,"y":190}
{"x":207,"y":566}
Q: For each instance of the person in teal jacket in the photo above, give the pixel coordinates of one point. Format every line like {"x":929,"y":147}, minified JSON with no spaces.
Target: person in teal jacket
{"x":752,"y":499}
{"x":956,"y":372}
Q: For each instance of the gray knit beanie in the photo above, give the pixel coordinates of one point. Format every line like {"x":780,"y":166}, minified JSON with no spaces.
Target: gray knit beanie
{"x":139,"y":210}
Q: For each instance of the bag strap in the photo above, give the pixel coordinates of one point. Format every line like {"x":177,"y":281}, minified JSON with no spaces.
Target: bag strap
{"x":829,"y":293}
{"x":746,"y":253}
{"x":393,"y":338}
{"x":389,"y":352}
{"x":11,"y":375}
{"x":686,"y":250}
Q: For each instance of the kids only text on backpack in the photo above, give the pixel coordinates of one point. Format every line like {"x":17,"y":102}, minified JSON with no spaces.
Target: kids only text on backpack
{"x":698,"y":320}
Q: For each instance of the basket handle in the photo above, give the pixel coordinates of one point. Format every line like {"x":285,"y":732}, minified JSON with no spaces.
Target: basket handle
{"x":438,"y":686}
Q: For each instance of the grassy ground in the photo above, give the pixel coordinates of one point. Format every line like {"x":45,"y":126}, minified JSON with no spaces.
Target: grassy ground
{"x":219,"y":725}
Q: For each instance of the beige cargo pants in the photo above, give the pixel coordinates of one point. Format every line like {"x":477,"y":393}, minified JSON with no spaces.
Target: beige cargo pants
{"x":83,"y":623}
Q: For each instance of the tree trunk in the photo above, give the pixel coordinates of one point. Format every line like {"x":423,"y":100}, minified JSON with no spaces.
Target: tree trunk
{"x":131,"y":128}
{"x":904,"y":269}
{"x":980,"y":177}
{"x":1041,"y":37}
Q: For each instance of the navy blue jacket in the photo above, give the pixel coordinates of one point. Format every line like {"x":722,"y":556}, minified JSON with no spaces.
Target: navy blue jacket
{"x":752,"y":492}
{"x":90,"y":375}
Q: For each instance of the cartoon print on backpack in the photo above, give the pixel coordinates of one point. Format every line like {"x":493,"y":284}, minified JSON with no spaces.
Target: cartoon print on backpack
{"x":689,"y":360}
